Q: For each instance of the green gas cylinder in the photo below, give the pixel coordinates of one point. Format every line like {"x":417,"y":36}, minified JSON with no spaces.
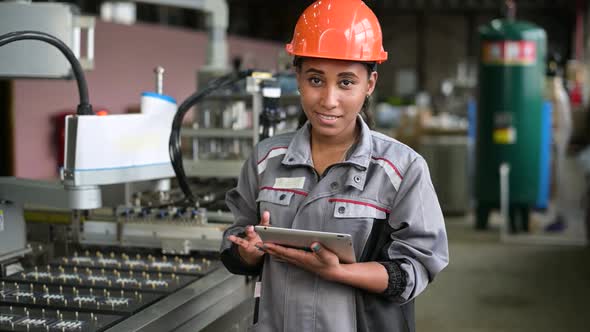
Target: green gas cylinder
{"x":511,"y":85}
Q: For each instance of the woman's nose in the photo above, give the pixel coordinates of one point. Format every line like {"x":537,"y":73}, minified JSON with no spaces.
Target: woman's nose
{"x":329,"y":98}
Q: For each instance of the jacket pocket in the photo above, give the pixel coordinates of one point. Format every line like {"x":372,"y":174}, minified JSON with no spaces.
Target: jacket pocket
{"x":353,"y":209}
{"x":280,"y":204}
{"x":357,"y":218}
{"x":275,"y":196}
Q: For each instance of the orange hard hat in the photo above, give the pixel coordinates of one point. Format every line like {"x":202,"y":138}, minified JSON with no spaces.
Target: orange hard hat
{"x":338,"y":29}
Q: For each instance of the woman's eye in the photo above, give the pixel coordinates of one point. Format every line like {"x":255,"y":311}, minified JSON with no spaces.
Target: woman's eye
{"x":315,"y":81}
{"x":346,"y":83}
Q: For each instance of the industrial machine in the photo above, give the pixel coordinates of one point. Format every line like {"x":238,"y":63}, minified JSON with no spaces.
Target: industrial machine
{"x":37,"y":60}
{"x":114,"y":246}
{"x":510,"y":125}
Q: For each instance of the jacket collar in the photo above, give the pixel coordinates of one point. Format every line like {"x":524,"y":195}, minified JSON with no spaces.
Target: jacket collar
{"x":299,"y":153}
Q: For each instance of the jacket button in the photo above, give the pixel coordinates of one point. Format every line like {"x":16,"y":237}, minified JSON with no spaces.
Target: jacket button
{"x":357,"y":179}
{"x":282,"y":197}
{"x":341,"y":210}
{"x":334,"y":185}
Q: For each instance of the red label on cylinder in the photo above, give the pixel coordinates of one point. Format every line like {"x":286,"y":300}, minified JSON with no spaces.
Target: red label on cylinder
{"x":509,"y":52}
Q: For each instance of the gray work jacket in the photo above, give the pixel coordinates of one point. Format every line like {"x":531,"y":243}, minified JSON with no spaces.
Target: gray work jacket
{"x":381,"y":194}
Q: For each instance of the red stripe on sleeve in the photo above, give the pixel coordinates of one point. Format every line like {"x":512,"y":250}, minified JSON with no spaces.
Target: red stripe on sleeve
{"x":392,"y":166}
{"x":275,"y":148}
{"x":358,"y":203}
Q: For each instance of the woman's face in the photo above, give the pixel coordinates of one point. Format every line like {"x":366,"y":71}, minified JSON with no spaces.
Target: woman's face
{"x":332,"y":94}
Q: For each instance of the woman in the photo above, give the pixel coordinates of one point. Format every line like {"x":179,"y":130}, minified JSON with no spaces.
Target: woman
{"x":336,"y":175}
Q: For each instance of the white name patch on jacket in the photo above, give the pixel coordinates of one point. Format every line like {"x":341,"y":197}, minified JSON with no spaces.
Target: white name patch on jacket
{"x":289,"y":183}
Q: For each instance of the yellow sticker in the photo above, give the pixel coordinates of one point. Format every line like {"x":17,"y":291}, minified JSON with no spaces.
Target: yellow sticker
{"x":505,"y":135}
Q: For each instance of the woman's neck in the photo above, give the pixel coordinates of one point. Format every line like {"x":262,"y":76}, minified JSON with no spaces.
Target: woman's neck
{"x":329,"y":151}
{"x":321,"y":143}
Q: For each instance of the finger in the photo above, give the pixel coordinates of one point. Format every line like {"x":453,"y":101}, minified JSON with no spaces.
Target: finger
{"x":273,"y":247}
{"x":286,"y":252}
{"x":250,"y":231}
{"x":289,"y":259}
{"x":235,"y":239}
{"x":265,"y":220}
{"x":272,"y":251}
{"x":320,"y":251}
{"x":239,"y":241}
{"x":260,"y":246}
{"x":278,"y":255}
{"x":251,"y":235}
{"x":316,"y":247}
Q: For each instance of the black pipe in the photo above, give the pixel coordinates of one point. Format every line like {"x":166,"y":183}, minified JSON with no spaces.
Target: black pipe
{"x":84,"y":108}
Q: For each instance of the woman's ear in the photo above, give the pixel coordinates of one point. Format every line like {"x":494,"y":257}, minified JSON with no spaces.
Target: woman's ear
{"x":298,"y":79}
{"x":372,"y":83}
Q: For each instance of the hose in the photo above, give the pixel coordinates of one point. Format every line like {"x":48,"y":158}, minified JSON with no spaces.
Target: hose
{"x":175,"y":143}
{"x":84,"y":107}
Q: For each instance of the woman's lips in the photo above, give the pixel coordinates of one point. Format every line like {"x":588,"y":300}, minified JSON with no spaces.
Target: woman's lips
{"x":327,"y":119}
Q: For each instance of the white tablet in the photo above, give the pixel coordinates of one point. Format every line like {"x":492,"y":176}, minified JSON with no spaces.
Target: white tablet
{"x":338,"y":243}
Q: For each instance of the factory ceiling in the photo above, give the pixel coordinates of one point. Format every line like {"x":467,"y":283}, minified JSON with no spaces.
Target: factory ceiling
{"x":274,"y":20}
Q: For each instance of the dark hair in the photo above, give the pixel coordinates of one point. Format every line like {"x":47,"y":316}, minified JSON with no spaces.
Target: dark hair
{"x":365,"y":111}
{"x":371,"y":66}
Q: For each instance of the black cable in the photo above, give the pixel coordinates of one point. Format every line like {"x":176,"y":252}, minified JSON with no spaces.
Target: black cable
{"x":84,"y":108}
{"x":175,"y":144}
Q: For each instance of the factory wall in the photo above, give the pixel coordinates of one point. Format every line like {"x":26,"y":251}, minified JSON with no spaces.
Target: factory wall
{"x":430,"y":45}
{"x":433,"y":44}
{"x":399,"y":39}
{"x":125,"y":59}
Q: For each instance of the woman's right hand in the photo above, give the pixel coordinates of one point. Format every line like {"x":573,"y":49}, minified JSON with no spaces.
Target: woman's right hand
{"x":248,"y":247}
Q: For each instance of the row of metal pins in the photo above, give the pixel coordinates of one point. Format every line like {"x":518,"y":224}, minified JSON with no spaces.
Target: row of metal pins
{"x":59,"y":315}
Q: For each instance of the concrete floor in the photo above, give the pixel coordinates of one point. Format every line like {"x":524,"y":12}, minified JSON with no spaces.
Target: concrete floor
{"x":495,"y":286}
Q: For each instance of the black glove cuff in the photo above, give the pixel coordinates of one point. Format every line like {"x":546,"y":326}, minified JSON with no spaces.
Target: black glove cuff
{"x":397,"y":281}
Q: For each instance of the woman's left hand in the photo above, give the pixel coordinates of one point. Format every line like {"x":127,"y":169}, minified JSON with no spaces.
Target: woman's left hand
{"x":320,"y":260}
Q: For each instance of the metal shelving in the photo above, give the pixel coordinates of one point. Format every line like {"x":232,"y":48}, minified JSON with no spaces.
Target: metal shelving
{"x":225,"y":128}
{"x":228,"y":137}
